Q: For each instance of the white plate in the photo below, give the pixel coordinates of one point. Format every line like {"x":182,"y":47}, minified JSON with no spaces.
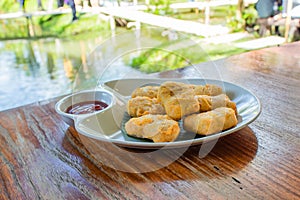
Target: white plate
{"x":106,"y":126}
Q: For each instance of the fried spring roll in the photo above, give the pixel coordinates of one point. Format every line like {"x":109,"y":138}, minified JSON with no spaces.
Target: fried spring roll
{"x":170,"y":89}
{"x":211,"y":122}
{"x":159,"y":128}
{"x":147,"y":91}
{"x":208,"y":89}
{"x":178,"y":99}
{"x":208,"y":103}
{"x":176,"y":108}
{"x":140,"y":106}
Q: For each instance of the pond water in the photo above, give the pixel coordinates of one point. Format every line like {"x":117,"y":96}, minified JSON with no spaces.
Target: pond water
{"x":34,"y":70}
{"x":30,"y":72}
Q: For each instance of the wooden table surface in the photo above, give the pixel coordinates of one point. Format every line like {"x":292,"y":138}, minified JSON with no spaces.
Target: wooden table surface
{"x":42,"y":158}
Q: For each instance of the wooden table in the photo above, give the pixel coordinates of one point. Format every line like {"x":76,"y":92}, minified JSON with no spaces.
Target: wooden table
{"x":42,"y":158}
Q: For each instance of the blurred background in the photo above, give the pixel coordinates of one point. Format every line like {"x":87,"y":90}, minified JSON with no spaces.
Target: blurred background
{"x":48,"y":45}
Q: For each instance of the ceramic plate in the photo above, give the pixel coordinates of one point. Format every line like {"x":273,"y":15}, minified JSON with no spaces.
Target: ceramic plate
{"x":108,"y":125}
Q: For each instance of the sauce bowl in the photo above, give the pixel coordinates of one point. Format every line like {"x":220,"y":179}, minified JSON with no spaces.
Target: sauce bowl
{"x":63,"y":105}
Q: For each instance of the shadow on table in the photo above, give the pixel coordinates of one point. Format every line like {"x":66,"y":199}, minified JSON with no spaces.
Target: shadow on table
{"x":229,"y":155}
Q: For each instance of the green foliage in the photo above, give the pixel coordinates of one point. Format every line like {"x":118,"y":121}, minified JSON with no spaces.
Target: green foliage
{"x":86,"y":24}
{"x":162,"y":7}
{"x":233,"y":22}
{"x":16,"y":28}
{"x":250,"y":16}
{"x":248,"y":19}
{"x":45,"y":26}
{"x":9,"y":6}
{"x":158,"y":60}
{"x":52,"y":26}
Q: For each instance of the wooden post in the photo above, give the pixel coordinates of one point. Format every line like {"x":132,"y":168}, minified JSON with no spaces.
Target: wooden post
{"x":240,"y":8}
{"x":30,"y":26}
{"x":112,"y":24}
{"x":50,"y":5}
{"x":288,"y":20}
{"x":207,"y":12}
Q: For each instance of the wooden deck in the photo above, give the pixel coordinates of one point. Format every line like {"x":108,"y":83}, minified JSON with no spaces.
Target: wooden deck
{"x":166,"y":22}
{"x":261,"y":42}
{"x":16,"y":15}
{"x":203,"y":4}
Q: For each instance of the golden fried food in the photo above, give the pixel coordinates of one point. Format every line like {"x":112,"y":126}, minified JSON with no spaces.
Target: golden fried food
{"x":176,"y":108}
{"x":208,"y":103}
{"x":178,"y":99}
{"x":174,"y":89}
{"x":208,"y":89}
{"x":210,"y":122}
{"x":204,"y":109}
{"x":159,"y":128}
{"x":140,"y":106}
{"x":147,"y":91}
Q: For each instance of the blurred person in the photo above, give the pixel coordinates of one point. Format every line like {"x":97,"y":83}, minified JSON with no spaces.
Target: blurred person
{"x":265,"y":10}
{"x":280,"y":14}
{"x":71,"y":3}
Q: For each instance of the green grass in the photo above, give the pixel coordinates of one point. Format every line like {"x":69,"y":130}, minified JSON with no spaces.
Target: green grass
{"x":52,"y":26}
{"x":13,"y":29}
{"x":62,"y":26}
{"x":158,"y":59}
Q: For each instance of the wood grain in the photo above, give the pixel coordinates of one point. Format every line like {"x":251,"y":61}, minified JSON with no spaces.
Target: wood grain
{"x":42,"y":158}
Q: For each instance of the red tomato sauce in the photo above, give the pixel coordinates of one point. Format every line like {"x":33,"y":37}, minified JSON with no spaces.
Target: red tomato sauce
{"x":86,"y":107}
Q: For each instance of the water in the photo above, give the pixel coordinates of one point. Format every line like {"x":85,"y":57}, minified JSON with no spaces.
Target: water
{"x":35,"y":70}
{"x":30,"y":72}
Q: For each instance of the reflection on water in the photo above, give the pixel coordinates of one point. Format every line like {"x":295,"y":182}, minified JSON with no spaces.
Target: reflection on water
{"x":30,"y":71}
{"x":34,"y":70}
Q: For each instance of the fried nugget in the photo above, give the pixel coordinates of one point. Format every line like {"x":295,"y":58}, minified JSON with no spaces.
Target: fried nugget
{"x":211,"y":122}
{"x":174,"y":89}
{"x":147,"y":91}
{"x":176,"y":108}
{"x":159,"y":128}
{"x":208,"y":103}
{"x":140,"y":106}
{"x":208,"y":89}
{"x":177,"y":99}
